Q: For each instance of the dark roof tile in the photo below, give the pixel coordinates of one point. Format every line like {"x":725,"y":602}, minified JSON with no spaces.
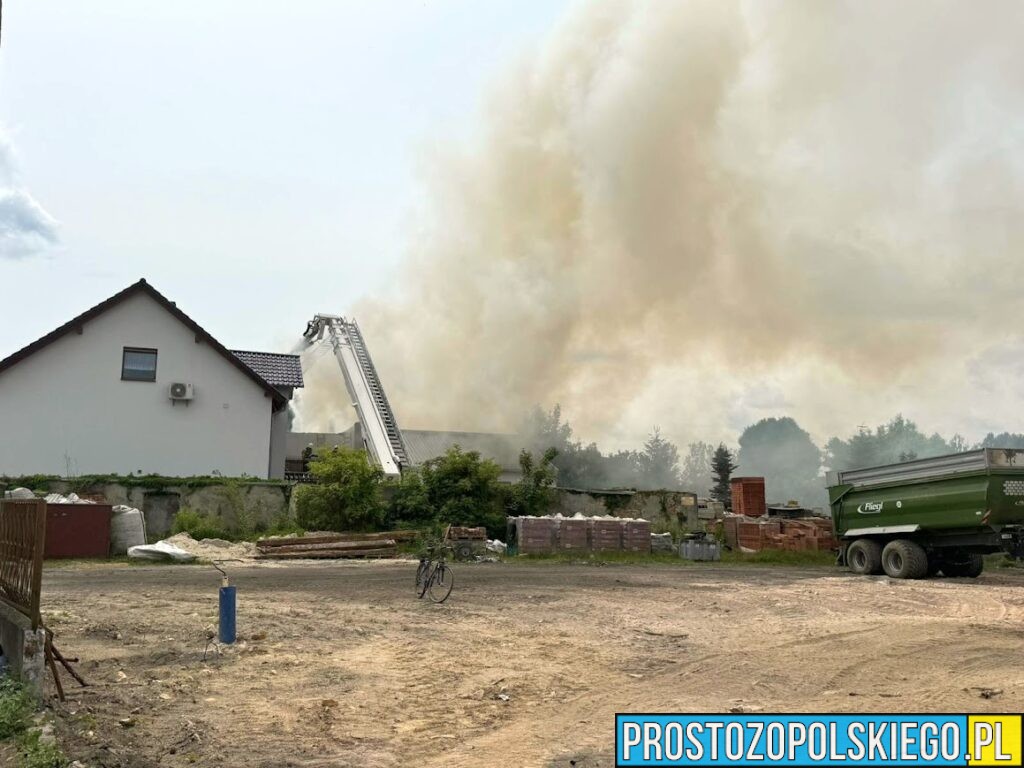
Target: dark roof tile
{"x":278,"y":369}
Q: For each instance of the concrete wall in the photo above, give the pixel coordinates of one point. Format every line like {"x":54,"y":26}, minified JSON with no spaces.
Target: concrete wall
{"x":278,"y":443}
{"x":66,"y":411}
{"x":667,"y":507}
{"x":261,"y":502}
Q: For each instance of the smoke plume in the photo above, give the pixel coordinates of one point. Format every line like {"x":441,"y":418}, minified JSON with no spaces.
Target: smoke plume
{"x":25,"y":228}
{"x":696,"y":214}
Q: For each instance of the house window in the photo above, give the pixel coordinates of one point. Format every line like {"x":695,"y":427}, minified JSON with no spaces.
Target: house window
{"x":138,"y":364}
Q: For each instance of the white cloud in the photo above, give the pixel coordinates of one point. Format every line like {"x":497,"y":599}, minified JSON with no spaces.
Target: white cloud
{"x":26,"y":229}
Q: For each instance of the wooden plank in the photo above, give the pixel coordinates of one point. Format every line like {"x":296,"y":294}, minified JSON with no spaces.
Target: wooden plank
{"x":331,"y":545}
{"x":292,"y":540}
{"x":326,"y":554}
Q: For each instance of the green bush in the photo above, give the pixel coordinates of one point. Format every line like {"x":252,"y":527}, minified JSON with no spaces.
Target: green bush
{"x":463,"y":489}
{"x":408,"y":504}
{"x":16,"y":708}
{"x":199,"y":526}
{"x":282,"y":525}
{"x":37,"y":754}
{"x":346,"y":496}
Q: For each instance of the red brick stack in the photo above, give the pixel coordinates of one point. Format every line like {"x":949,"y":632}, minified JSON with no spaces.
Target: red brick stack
{"x":636,"y":536}
{"x":754,"y":535}
{"x":606,"y":535}
{"x":572,"y":534}
{"x":536,"y":535}
{"x":748,"y":496}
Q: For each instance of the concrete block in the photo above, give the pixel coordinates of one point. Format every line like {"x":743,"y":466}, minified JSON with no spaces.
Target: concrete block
{"x":24,"y":648}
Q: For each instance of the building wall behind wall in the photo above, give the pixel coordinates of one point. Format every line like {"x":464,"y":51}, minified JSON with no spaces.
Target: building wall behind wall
{"x":64,"y":410}
{"x":666,"y":507}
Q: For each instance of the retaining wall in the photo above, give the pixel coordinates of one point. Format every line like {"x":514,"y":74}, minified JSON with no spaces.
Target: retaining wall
{"x":261,"y":502}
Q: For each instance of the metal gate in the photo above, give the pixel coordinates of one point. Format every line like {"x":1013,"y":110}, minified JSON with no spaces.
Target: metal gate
{"x":22,"y":538}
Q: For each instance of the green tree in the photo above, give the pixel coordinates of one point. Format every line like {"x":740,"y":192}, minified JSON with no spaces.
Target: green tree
{"x":463,"y":489}
{"x":346,"y":495}
{"x":532,"y":494}
{"x":1002,"y":440}
{"x":722,"y":467}
{"x":659,"y":463}
{"x":619,"y":470}
{"x":885,"y":445}
{"x":695,"y":474}
{"x":784,"y":454}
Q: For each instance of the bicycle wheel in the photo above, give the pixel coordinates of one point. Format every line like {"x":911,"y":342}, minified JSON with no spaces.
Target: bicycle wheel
{"x":428,"y":578}
{"x":421,"y":573}
{"x":441,"y":581}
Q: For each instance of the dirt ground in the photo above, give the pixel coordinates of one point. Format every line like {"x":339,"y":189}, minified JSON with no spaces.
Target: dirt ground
{"x":339,"y":665}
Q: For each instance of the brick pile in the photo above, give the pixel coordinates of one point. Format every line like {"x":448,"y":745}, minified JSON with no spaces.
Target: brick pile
{"x":748,"y":496}
{"x":636,"y":536}
{"x":536,"y":535}
{"x":757,"y":533}
{"x":541,"y":535}
{"x":606,"y":535}
{"x":572,"y":534}
{"x":807,"y":533}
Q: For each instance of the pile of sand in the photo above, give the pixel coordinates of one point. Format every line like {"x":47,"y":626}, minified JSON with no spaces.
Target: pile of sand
{"x":214,"y":549}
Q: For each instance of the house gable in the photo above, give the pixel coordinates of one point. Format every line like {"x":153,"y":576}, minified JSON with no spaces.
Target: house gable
{"x":74,"y":413}
{"x":77,"y":325}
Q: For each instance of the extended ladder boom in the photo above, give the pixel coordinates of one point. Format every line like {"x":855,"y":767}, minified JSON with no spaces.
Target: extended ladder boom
{"x":381,"y":435}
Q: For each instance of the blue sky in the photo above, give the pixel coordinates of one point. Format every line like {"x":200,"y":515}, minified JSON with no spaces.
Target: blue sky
{"x":257,"y":162}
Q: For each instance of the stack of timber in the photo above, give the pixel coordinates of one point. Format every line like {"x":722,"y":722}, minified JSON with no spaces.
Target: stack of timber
{"x":333,"y":546}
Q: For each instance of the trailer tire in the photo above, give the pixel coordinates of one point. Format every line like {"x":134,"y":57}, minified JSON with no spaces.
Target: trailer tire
{"x":864,"y":557}
{"x":904,"y":559}
{"x":970,"y":567}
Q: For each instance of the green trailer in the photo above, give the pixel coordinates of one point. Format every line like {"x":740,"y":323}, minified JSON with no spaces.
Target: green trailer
{"x":920,"y":518}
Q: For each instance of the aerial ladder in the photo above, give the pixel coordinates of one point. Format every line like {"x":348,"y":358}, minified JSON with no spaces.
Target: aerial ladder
{"x":381,"y":435}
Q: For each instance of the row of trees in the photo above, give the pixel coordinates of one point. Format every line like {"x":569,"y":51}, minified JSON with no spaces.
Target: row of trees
{"x":776,"y":448}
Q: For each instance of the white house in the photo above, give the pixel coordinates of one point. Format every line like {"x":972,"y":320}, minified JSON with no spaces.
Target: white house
{"x":135,"y":385}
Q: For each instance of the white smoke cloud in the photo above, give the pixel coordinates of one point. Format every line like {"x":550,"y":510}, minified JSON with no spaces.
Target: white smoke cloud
{"x":26,"y":229}
{"x":696,"y":214}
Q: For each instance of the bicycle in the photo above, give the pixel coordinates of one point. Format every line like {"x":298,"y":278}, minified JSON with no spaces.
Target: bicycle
{"x":433,"y":576}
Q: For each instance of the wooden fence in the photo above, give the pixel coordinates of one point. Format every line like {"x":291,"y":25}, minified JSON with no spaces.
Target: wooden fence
{"x":22,"y":537}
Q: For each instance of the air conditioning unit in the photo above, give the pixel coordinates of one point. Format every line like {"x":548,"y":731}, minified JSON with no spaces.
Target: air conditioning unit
{"x":179,"y":390}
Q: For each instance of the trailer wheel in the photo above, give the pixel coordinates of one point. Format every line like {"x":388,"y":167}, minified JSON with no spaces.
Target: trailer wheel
{"x":904,"y":559}
{"x":970,"y":565}
{"x":864,"y":556}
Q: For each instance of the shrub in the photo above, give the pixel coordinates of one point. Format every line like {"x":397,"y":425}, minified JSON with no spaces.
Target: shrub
{"x":16,"y":708}
{"x":408,"y":503}
{"x":36,"y":753}
{"x":199,"y":526}
{"x":532,"y":495}
{"x":346,"y":496}
{"x":463,"y":489}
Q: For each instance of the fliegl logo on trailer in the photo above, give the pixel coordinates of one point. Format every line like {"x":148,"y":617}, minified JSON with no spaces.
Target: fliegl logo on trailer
{"x":871,"y":507}
{"x":818,"y":740}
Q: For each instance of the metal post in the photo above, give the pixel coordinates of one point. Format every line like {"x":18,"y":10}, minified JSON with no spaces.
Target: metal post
{"x":227,"y":615}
